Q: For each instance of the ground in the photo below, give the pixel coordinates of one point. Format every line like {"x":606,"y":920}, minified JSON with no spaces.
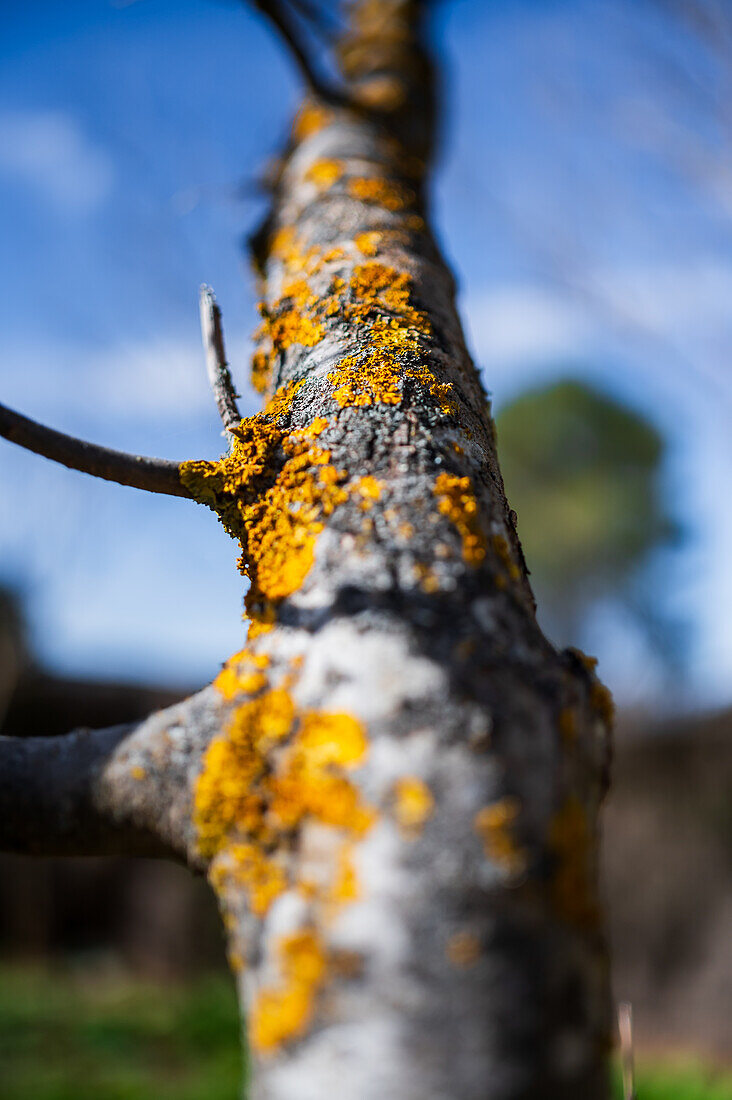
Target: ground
{"x":64,"y":1037}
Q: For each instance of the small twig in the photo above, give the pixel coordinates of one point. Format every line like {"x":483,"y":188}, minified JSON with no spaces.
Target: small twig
{"x":280,"y":19}
{"x":216,"y":365}
{"x":625,"y":1027}
{"x":323,"y":21}
{"x":157,"y":475}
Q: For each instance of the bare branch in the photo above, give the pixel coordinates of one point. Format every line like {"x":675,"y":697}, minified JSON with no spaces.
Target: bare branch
{"x":216,"y":365}
{"x":156,"y":475}
{"x":278,"y":16}
{"x":323,"y":20}
{"x":48,"y":793}
{"x":121,"y":790}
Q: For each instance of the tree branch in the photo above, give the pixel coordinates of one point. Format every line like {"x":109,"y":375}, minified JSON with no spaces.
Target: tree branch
{"x":122,"y":790}
{"x":279,"y":18}
{"x":216,"y":365}
{"x":156,"y":475}
{"x":47,"y":796}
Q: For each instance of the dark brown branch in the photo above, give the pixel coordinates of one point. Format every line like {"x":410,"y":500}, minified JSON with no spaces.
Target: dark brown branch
{"x":278,"y":16}
{"x":323,"y":20}
{"x":156,"y":475}
{"x":216,"y":365}
{"x":121,"y":790}
{"x":49,"y":788}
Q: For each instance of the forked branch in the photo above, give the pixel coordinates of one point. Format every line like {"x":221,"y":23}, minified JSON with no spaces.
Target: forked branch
{"x":156,"y":475}
{"x":280,"y":19}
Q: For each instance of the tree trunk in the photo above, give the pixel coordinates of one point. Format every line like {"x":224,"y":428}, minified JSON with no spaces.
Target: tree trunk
{"x":398,"y":809}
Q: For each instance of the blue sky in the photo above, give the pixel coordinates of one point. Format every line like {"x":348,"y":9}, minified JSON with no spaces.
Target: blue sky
{"x":583,"y":195}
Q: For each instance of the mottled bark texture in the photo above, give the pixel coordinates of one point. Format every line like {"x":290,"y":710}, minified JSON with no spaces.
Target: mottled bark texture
{"x":395,"y":785}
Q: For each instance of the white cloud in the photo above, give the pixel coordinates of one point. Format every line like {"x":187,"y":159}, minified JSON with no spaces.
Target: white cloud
{"x":49,"y":151}
{"x":164,"y":372}
{"x":138,"y":380}
{"x":526,"y":321}
{"x":684,"y":305}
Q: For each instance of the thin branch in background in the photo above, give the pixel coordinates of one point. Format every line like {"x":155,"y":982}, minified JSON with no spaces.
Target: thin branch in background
{"x":625,"y":1027}
{"x":323,"y":20}
{"x":280,"y":19}
{"x":216,"y":365}
{"x":156,"y":475}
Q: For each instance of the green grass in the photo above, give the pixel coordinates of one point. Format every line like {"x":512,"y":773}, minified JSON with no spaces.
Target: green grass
{"x":62,"y":1038}
{"x":682,"y":1081}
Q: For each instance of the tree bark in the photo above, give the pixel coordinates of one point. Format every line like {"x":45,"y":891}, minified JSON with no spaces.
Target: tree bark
{"x":395,"y":786}
{"x":442,"y":937}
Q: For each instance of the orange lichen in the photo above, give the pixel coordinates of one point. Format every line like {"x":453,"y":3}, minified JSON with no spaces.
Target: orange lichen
{"x":567,"y":723}
{"x":428,"y":580}
{"x":245,"y":865}
{"x":274,"y":768}
{"x":231,"y":791}
{"x":312,"y":781}
{"x":379,"y":297}
{"x":272,"y":492}
{"x":368,"y":242}
{"x":390,"y":194}
{"x":457,"y":501}
{"x":138,"y":772}
{"x":324,"y":173}
{"x":602,"y":703}
{"x":284,"y":1012}
{"x":463,"y":949}
{"x":503,"y":552}
{"x":311,"y":118}
{"x":413,"y":803}
{"x":345,"y":885}
{"x":572,"y":884}
{"x":494,"y":825}
{"x":261,"y":371}
{"x":369,"y":489}
{"x":381,"y":93}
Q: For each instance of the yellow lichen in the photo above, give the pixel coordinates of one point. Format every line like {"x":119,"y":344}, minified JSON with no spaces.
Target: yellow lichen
{"x":138,"y":772}
{"x":456,"y":500}
{"x":245,"y":865}
{"x":494,"y":825}
{"x":567,"y":723}
{"x":503,"y":551}
{"x":390,"y":194}
{"x":311,"y":118}
{"x":324,"y":173}
{"x":368,"y":242}
{"x":428,"y":580}
{"x":463,"y":949}
{"x":369,"y":489}
{"x":413,"y":803}
{"x":311,"y":780}
{"x":601,"y":701}
{"x":381,"y":93}
{"x":284,"y":1012}
{"x":345,"y":886}
{"x":261,"y":371}
{"x":273,"y":767}
{"x":379,"y":297}
{"x":572,"y":884}
{"x":272,"y":492}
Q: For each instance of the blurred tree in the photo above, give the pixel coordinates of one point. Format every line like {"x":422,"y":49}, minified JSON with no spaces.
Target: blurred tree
{"x":583,"y":472}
